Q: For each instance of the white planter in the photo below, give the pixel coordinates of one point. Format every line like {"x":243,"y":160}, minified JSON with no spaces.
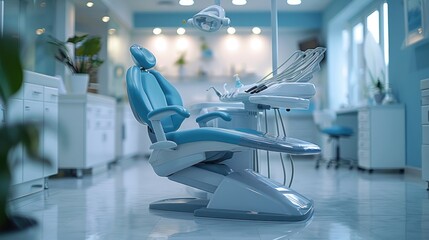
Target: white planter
{"x":79,"y":83}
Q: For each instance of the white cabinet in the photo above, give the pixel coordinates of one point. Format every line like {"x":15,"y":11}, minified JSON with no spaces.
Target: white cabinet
{"x":381,"y":137}
{"x":135,"y":137}
{"x":424,"y":86}
{"x":33,"y":111}
{"x":36,"y":101}
{"x":89,"y":131}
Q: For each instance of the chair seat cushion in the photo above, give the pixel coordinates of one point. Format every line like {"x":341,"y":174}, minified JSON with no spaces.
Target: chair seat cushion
{"x":250,"y":139}
{"x":338,"y":131}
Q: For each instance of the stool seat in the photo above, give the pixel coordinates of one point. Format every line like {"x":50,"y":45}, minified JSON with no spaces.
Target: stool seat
{"x":338,"y":131}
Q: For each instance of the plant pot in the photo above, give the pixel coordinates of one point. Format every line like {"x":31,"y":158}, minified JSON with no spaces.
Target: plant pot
{"x":79,"y":83}
{"x":20,"y":228}
{"x":378,"y":97}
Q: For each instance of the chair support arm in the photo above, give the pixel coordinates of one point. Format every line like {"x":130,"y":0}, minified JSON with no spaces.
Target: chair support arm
{"x":161,"y":113}
{"x":155,"y":118}
{"x":203,"y":119}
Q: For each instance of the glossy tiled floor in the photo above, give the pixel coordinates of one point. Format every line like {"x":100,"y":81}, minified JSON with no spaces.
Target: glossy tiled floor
{"x":114,"y":205}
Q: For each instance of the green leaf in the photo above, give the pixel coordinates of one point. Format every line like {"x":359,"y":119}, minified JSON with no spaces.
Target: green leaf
{"x":26,"y":133}
{"x":77,"y":39}
{"x":90,"y":47}
{"x":11,"y":74}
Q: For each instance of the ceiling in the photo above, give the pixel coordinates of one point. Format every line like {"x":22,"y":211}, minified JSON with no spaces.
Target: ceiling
{"x":252,"y":5}
{"x":125,"y":9}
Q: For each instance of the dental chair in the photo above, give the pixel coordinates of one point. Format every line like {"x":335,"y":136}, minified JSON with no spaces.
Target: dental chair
{"x":194,"y":157}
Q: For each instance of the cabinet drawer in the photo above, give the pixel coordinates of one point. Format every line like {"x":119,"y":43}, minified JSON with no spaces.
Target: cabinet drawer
{"x":363,"y":145}
{"x":363,"y":158}
{"x":425,"y":100}
{"x":364,"y":126}
{"x":33,"y":92}
{"x":364,"y":136}
{"x":425,"y":162}
{"x":50,"y":94}
{"x":425,"y":115}
{"x":425,"y":134}
{"x":363,"y":116}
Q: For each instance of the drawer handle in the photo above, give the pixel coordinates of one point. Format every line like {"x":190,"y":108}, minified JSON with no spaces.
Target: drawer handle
{"x":36,"y":93}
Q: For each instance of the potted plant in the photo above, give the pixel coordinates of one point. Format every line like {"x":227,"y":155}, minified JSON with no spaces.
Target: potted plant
{"x":180,"y":62}
{"x":11,"y":135}
{"x":378,"y":88}
{"x":85,"y":60}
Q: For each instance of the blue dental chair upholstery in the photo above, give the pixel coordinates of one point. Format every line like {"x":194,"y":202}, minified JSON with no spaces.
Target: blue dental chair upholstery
{"x":193,"y":157}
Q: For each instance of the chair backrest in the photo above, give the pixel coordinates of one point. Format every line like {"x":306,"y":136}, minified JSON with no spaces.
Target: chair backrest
{"x":148,"y":90}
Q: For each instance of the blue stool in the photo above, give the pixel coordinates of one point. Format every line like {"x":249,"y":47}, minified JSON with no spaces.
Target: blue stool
{"x":335,"y":133}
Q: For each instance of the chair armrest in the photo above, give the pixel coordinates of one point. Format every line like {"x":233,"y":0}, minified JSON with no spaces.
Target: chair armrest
{"x":155,"y":118}
{"x":203,"y":119}
{"x":161,"y":113}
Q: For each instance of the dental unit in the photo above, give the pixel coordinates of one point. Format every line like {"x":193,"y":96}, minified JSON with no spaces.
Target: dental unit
{"x":195,"y":157}
{"x":288,"y":89}
{"x":204,"y":157}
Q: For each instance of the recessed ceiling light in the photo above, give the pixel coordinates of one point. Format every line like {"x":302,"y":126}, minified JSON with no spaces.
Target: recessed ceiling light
{"x":239,"y":2}
{"x":111,"y":31}
{"x":89,"y":4}
{"x":181,"y":31}
{"x":256,"y":30}
{"x":230,"y":30}
{"x":40,"y":31}
{"x":294,"y":2}
{"x":157,"y":31}
{"x":105,"y":19}
{"x":186,"y":2}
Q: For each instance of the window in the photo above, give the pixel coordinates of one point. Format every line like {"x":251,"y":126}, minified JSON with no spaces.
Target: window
{"x":374,"y":22}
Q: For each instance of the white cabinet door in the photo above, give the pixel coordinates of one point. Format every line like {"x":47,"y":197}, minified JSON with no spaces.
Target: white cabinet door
{"x":50,"y":138}
{"x":425,"y":162}
{"x":33,"y":111}
{"x":15,"y":115}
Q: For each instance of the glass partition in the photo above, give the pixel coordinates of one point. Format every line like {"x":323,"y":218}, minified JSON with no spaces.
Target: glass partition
{"x":31,"y":22}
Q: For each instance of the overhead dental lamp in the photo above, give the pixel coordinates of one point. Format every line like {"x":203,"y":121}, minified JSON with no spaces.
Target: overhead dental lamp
{"x":209,"y":19}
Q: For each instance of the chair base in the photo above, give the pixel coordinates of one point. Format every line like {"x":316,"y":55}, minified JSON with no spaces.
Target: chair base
{"x":250,"y":215}
{"x":179,"y":204}
{"x":339,"y":162}
{"x":336,"y":163}
{"x":245,"y":195}
{"x":199,"y":208}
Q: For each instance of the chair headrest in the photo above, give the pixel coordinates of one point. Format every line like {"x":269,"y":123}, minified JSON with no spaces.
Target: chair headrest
{"x":142,"y":57}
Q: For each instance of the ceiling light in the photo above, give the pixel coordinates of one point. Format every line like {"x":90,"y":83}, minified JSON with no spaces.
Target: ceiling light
{"x":40,"y":31}
{"x":186,"y":2}
{"x":256,"y":30}
{"x":294,"y":2}
{"x":111,"y":31}
{"x":239,"y":2}
{"x":157,"y":31}
{"x":230,"y":30}
{"x":105,"y":19}
{"x":89,"y":4}
{"x":181,"y":31}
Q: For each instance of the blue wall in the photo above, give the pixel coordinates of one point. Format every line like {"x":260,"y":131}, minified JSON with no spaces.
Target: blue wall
{"x":296,"y":20}
{"x":408,"y":65}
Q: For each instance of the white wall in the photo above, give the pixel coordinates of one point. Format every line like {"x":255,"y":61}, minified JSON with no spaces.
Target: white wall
{"x":119,"y":60}
{"x":242,"y":53}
